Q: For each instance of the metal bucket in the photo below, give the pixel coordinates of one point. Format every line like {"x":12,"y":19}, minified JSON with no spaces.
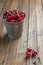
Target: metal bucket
{"x":14,"y":30}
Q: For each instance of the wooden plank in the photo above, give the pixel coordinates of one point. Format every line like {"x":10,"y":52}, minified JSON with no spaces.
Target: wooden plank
{"x":32,"y":42}
{"x":5,"y":5}
{"x":23,"y":40}
{"x":4,"y":43}
{"x":40,"y":28}
{"x":11,"y":60}
{"x":8,"y":4}
{"x":20,"y":59}
{"x":29,"y":31}
{"x":14,"y":4}
{"x":3,"y":47}
{"x":2,"y":3}
{"x":11,"y":53}
{"x":16,"y":49}
{"x":36,"y":26}
{"x":22,"y":46}
{"x":42,"y":4}
{"x":12,"y":47}
{"x":20,"y":5}
{"x":32,"y":29}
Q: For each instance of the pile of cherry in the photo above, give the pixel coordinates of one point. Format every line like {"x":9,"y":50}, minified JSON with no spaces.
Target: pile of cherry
{"x":31,"y":53}
{"x":13,"y":16}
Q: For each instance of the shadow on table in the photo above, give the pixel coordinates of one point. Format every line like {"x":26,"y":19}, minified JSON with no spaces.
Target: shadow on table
{"x":5,"y":39}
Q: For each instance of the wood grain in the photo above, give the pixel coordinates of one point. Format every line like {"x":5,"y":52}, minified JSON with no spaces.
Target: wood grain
{"x":12,"y":52}
{"x":1,"y":5}
{"x":12,"y":47}
{"x":3,"y":47}
{"x":32,"y":29}
{"x":22,"y":45}
{"x":40,"y":28}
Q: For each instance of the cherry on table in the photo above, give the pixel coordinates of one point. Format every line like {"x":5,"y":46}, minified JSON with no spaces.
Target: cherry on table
{"x":34,"y":53}
{"x":28,"y":54}
{"x":29,"y":49}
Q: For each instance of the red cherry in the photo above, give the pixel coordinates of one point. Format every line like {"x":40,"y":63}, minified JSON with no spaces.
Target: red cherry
{"x":12,"y":20}
{"x":28,"y":54}
{"x":29,"y":49}
{"x":9,"y":14}
{"x":16,"y":17}
{"x":16,"y":20}
{"x":34,"y":53}
{"x":13,"y":16}
{"x":8,"y":17}
{"x":20,"y":19}
{"x":7,"y":11}
{"x":22,"y":14}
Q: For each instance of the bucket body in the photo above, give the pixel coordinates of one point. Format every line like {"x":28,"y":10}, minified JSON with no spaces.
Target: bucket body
{"x":14,"y":29}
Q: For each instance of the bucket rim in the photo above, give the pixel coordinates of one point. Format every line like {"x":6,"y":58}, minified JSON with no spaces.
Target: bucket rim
{"x":12,"y":22}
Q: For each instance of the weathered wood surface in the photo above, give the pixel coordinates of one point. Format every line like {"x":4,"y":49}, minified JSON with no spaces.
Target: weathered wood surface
{"x":4,"y":4}
{"x":12,"y":52}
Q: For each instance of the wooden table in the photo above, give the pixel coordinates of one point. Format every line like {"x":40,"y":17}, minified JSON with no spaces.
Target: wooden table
{"x":12,"y":52}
